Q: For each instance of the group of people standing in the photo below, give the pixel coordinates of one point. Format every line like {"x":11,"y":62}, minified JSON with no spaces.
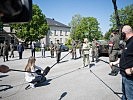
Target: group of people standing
{"x":126,"y":63}
{"x":84,"y":51}
{"x":5,"y":48}
{"x":53,"y":47}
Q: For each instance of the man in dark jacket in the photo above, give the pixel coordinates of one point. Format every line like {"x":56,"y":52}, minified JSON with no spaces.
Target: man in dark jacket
{"x":20,"y":50}
{"x":126,"y":64}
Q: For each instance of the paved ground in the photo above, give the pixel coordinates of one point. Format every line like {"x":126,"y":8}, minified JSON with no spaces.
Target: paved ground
{"x":65,"y":81}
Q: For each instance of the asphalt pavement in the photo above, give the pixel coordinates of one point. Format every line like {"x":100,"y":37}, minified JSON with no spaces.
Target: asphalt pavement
{"x":67,"y":80}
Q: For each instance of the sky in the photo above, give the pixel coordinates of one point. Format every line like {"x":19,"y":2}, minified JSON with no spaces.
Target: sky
{"x":63,"y":10}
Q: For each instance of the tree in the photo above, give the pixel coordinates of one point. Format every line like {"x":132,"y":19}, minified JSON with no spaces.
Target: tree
{"x":116,"y":14}
{"x":36,"y":29}
{"x":74,"y":23}
{"x":87,"y":27}
{"x":125,"y":15}
{"x":107,"y":34}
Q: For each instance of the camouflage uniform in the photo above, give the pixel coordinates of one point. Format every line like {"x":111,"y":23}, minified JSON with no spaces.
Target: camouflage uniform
{"x":12,"y":50}
{"x":94,"y":51}
{"x":5,"y":49}
{"x":85,"y":50}
{"x":74,"y":45}
{"x":114,"y":51}
{"x":58,"y":51}
{"x":80,"y":49}
{"x":52,"y":49}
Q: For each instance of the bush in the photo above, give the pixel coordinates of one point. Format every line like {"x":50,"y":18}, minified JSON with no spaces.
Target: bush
{"x":37,"y":49}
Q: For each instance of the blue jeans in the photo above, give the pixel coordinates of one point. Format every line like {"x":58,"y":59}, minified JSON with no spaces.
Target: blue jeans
{"x":127,"y":88}
{"x":43,"y":52}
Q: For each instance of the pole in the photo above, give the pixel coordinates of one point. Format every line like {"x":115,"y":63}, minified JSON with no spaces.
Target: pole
{"x":116,"y":14}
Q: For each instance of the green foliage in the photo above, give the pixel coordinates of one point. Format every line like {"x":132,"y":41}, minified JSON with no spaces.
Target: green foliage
{"x":86,"y":27}
{"x":68,"y":42}
{"x":37,"y":49}
{"x":107,"y":34}
{"x":36,"y":29}
{"x":125,"y":15}
{"x":74,"y":23}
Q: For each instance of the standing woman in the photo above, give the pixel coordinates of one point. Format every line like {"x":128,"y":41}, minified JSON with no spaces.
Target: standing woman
{"x":43,"y":50}
{"x":34,"y":77}
{"x":85,"y":50}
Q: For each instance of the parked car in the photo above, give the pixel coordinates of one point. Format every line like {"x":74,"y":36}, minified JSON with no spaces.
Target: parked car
{"x":64,"y":48}
{"x":103,"y":47}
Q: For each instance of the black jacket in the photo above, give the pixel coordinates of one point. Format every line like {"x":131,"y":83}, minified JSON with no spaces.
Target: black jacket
{"x":126,"y":60}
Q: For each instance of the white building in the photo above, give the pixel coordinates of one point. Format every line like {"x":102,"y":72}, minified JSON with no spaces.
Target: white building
{"x":57,"y":31}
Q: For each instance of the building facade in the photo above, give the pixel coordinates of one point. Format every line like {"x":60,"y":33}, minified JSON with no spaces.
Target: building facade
{"x":57,"y":31}
{"x":8,"y":35}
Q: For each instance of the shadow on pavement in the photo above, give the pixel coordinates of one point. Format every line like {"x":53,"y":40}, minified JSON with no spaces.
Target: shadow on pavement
{"x":91,"y":65}
{"x":43,"y":83}
{"x":1,"y":76}
{"x":6,"y":87}
{"x":62,"y":95}
{"x":63,"y":61}
{"x":58,"y":76}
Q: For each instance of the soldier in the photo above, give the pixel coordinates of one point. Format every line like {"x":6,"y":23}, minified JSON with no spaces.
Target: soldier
{"x":74,"y":45}
{"x":58,"y":51}
{"x":114,"y":51}
{"x":51,"y":49}
{"x":80,"y":48}
{"x":85,"y":50}
{"x":5,"y":50}
{"x":94,"y":51}
{"x":12,"y":50}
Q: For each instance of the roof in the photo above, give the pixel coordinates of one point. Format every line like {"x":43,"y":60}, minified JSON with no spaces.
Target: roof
{"x":52,"y":22}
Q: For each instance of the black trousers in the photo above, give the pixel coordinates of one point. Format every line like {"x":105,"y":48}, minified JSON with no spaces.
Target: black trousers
{"x":58,"y":55}
{"x":20,"y":55}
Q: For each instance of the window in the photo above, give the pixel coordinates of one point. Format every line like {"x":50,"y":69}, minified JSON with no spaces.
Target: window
{"x":55,"y":33}
{"x":66,"y":33}
{"x":61,"y":33}
{"x":61,"y":40}
{"x":65,"y":39}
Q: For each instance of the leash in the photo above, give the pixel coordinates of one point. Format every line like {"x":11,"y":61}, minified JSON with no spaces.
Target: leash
{"x":116,"y":93}
{"x":45,"y":72}
{"x":47,"y":69}
{"x":113,"y":65}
